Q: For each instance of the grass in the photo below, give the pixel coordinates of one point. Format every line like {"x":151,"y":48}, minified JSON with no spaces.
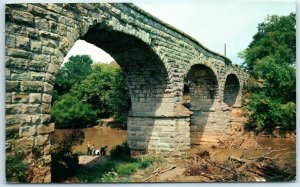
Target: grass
{"x":114,"y":170}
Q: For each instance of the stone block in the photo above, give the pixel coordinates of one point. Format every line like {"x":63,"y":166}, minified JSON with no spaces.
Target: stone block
{"x":52,"y":69}
{"x":37,"y":76}
{"x":50,"y":78}
{"x":49,"y":35}
{"x":35,"y":98}
{"x":20,"y":75}
{"x":19,"y":97}
{"x":48,"y":88}
{"x":45,"y":129}
{"x":32,"y":86}
{"x":12,"y":132}
{"x":45,"y":118}
{"x":12,"y":86}
{"x":46,"y":108}
{"x":50,"y":43}
{"x":7,"y":73}
{"x":47,"y":50}
{"x":47,"y":98}
{"x":38,"y":66}
{"x":8,"y":98}
{"x":25,"y":144}
{"x":12,"y":62}
{"x":10,"y":40}
{"x":22,"y":17}
{"x":36,"y":119}
{"x":19,"y":53}
{"x":42,"y":58}
{"x":27,"y":131}
{"x":36,"y":46}
{"x":33,"y":109}
{"x":23,"y":43}
{"x":41,"y":139}
{"x":15,"y":109}
{"x":41,"y":23}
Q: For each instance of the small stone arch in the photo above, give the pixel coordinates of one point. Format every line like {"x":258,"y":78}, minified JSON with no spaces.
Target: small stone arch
{"x":232,"y":89}
{"x":203,"y":87}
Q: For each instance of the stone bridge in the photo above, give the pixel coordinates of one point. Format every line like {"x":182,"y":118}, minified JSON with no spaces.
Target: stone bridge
{"x":160,"y":63}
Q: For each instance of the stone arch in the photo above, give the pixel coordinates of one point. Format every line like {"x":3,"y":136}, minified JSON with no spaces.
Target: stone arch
{"x":231,"y":89}
{"x":145,"y":72}
{"x":203,"y":87}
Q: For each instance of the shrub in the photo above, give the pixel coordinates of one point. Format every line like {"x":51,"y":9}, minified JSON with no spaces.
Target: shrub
{"x":16,"y":168}
{"x":64,"y":164}
{"x":126,"y":169}
{"x":70,"y":112}
{"x":121,"y":152}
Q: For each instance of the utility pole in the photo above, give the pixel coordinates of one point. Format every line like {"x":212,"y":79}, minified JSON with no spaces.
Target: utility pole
{"x":225,"y":49}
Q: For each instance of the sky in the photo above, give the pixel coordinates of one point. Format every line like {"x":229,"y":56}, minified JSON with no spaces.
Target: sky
{"x":212,"y":23}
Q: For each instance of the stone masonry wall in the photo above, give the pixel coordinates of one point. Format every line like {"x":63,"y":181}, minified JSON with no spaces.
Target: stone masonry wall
{"x":154,"y":56}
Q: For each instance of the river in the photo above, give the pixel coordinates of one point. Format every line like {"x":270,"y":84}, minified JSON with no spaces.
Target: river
{"x":100,"y":136}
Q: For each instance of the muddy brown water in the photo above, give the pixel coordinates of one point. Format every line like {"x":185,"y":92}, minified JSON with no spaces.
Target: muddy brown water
{"x":100,"y":136}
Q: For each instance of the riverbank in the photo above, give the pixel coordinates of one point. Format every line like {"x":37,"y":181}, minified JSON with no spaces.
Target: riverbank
{"x":201,"y":164}
{"x":239,"y":145}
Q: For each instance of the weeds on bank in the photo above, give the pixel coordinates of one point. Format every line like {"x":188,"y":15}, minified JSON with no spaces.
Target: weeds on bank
{"x":113,"y":170}
{"x":118,"y":168}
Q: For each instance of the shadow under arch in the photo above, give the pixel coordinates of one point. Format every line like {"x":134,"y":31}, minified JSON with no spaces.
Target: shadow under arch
{"x":231,"y":90}
{"x":203,"y":88}
{"x":147,"y":79}
{"x":144,"y":70}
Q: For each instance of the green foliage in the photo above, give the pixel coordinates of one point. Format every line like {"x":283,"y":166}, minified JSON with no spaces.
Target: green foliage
{"x":95,"y":87}
{"x":76,"y":69}
{"x":70,"y":112}
{"x":120,"y":152}
{"x":271,"y":58}
{"x":63,"y":163}
{"x":114,"y":170}
{"x":268,"y":113}
{"x":107,"y":91}
{"x":16,"y":168}
{"x":95,"y":172}
{"x":118,"y":98}
{"x":83,"y":92}
{"x":276,"y":37}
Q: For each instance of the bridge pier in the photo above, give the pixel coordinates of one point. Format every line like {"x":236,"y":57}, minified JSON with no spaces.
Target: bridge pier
{"x":166,"y":136}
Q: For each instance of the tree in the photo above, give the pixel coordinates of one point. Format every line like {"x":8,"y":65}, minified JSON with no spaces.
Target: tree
{"x":63,"y":162}
{"x":70,"y":112}
{"x":276,"y":38}
{"x":95,"y":87}
{"x":271,"y":58}
{"x":118,"y":97}
{"x":76,"y":69}
{"x":106,"y":90}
